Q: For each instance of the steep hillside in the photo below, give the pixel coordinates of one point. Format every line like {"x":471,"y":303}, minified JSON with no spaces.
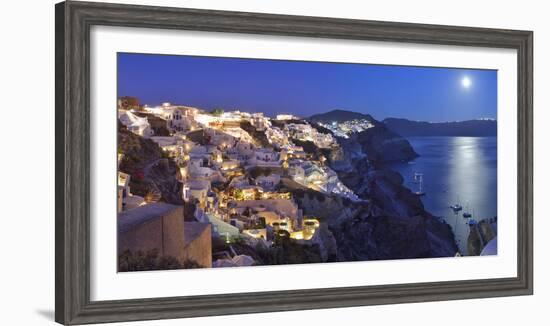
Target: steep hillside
{"x":150,"y":170}
{"x":379,"y":144}
{"x":372,"y":229}
{"x":384,"y":146}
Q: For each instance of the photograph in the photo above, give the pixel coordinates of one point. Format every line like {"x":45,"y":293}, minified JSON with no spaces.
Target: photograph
{"x":235,"y":162}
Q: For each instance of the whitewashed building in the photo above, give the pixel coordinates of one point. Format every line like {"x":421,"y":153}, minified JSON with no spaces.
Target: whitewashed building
{"x":196,"y":189}
{"x":138,"y":125}
{"x":126,"y":200}
{"x":259,"y":122}
{"x":268,"y":182}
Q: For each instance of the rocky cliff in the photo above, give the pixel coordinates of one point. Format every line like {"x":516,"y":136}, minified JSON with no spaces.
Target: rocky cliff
{"x":376,"y":229}
{"x":380,"y":143}
{"x":390,"y":222}
{"x":384,"y":146}
{"x":153,"y":174}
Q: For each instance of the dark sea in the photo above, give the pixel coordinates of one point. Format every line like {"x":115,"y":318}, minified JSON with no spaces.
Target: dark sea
{"x":455,"y":170}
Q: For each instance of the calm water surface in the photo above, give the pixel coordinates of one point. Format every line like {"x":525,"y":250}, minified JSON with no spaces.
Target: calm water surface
{"x":459,"y":170}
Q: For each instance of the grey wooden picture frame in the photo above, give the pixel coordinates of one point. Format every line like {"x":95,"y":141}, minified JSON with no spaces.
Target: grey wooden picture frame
{"x":72,"y":171}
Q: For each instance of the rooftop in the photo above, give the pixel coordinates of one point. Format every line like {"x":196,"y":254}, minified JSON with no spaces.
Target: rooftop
{"x":129,"y":219}
{"x":198,"y":184}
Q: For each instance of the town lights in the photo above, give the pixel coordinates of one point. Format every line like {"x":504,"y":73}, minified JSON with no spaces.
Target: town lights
{"x":298,"y":235}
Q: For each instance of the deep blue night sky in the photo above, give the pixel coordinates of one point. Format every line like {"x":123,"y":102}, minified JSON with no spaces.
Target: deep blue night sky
{"x":307,"y":88}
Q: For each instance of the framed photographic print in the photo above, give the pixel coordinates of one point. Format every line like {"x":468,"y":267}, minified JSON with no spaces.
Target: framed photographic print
{"x":214,"y":162}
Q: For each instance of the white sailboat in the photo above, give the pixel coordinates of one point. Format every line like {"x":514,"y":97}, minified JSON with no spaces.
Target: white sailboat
{"x":416,"y":177}
{"x":456,"y":207}
{"x":419,"y":177}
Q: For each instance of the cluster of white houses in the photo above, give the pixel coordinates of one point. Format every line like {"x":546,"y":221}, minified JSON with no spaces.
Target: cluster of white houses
{"x":305,"y":132}
{"x":345,"y":128}
{"x":231,"y":179}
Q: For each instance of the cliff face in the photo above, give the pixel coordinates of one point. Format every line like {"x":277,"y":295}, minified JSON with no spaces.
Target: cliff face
{"x":368,"y":230}
{"x":480,"y":235}
{"x":381,"y":144}
{"x":384,"y":146}
{"x":390,"y":222}
{"x":152,"y":174}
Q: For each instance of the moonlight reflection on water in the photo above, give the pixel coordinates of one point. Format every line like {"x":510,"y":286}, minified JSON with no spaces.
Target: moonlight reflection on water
{"x":459,"y":170}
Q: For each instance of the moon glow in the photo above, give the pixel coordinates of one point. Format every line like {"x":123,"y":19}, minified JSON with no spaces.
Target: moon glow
{"x":466,"y":82}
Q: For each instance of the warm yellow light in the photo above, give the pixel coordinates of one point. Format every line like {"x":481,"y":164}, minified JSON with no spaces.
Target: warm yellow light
{"x":298,"y":235}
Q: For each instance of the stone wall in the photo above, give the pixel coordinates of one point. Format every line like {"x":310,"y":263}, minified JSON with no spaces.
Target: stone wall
{"x":198,"y":243}
{"x":161,"y":226}
{"x":164,"y":231}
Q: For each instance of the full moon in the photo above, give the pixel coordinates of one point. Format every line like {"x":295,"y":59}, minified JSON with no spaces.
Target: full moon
{"x":466,"y":82}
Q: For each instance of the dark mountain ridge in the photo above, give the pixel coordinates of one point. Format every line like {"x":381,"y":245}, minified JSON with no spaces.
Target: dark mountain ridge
{"x":339,"y":116}
{"x":468,"y":128}
{"x":408,"y":128}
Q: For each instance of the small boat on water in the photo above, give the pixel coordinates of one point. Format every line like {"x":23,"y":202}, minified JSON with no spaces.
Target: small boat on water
{"x":456,"y":207}
{"x":417,"y":177}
